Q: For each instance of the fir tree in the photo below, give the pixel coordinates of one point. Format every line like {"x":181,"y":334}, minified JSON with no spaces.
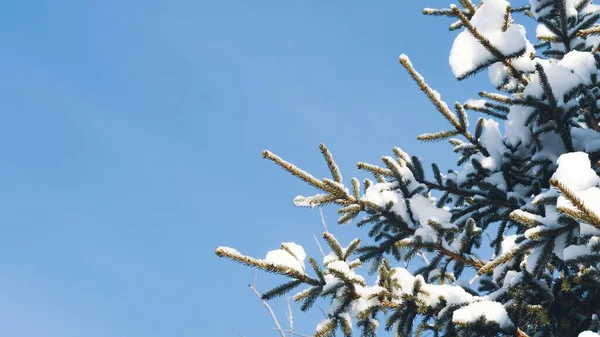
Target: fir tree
{"x":531,"y":188}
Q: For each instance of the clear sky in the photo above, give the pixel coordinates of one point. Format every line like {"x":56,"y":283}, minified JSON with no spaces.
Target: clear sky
{"x":130,"y":145}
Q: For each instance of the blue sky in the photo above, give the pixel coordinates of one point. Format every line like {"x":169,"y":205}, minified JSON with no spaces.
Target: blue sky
{"x":130,"y":142}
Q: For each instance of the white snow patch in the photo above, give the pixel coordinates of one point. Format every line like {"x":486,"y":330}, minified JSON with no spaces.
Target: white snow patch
{"x":282,"y":258}
{"x":588,"y":334}
{"x":575,"y":171}
{"x":576,"y":251}
{"x":490,"y":310}
{"x":468,"y":54}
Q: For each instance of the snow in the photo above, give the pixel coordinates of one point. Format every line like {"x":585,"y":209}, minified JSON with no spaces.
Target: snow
{"x":489,"y":163}
{"x":468,"y":54}
{"x":499,"y":74}
{"x":302,"y":201}
{"x":570,"y":7}
{"x":454,"y":295}
{"x":575,"y":70}
{"x":512,"y":277}
{"x":330,"y":282}
{"x":477,"y":103}
{"x":543,"y":31}
{"x":590,"y":197}
{"x":590,"y":8}
{"x":330,"y":258}
{"x":343,"y":268}
{"x":561,"y":80}
{"x":492,"y":139}
{"x":346,"y":317}
{"x":367,"y":299}
{"x":277,"y":257}
{"x":422,"y":208}
{"x":228,"y":251}
{"x":574,"y":252}
{"x":297,"y":250}
{"x":588,"y":230}
{"x":492,"y":311}
{"x":582,"y":63}
{"x":538,"y":9}
{"x":588,"y":334}
{"x":323,"y":324}
{"x":559,"y":245}
{"x":585,"y":140}
{"x":524,"y":62}
{"x":533,"y":258}
{"x":575,"y":171}
{"x":508,"y":244}
{"x":282,"y":258}
{"x":515,"y":127}
{"x":382,"y":194}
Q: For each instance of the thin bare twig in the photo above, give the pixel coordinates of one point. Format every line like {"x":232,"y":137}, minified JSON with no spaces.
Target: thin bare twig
{"x":240,"y":334}
{"x":423,"y":257}
{"x":319,"y":245}
{"x":293,"y":333}
{"x":259,"y":295}
{"x":290,"y":316}
{"x":323,"y":219}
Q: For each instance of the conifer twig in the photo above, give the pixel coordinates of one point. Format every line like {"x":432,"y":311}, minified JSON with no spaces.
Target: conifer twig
{"x":442,"y":107}
{"x":488,"y":45}
{"x":590,"y":31}
{"x":578,"y":203}
{"x":266,"y":266}
{"x":294,"y":170}
{"x":562,"y":10}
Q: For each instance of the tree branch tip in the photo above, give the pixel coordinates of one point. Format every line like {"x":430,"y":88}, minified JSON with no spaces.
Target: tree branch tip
{"x":403,"y":58}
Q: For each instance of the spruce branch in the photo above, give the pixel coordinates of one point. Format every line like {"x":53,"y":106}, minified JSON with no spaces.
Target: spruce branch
{"x":266,"y":266}
{"x":442,"y":107}
{"x":468,"y":5}
{"x":294,"y":170}
{"x":374,"y":169}
{"x":546,"y":86}
{"x":488,"y":111}
{"x":335,"y":170}
{"x":588,"y":32}
{"x":433,"y":95}
{"x":488,"y":45}
{"x":564,"y":33}
{"x":506,"y":19}
{"x":497,"y":97}
{"x":468,"y":260}
{"x":594,"y":219}
{"x":437,"y":136}
{"x":520,"y":249}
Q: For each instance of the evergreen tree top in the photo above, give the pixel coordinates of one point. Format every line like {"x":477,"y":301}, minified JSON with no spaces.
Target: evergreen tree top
{"x":531,"y":186}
